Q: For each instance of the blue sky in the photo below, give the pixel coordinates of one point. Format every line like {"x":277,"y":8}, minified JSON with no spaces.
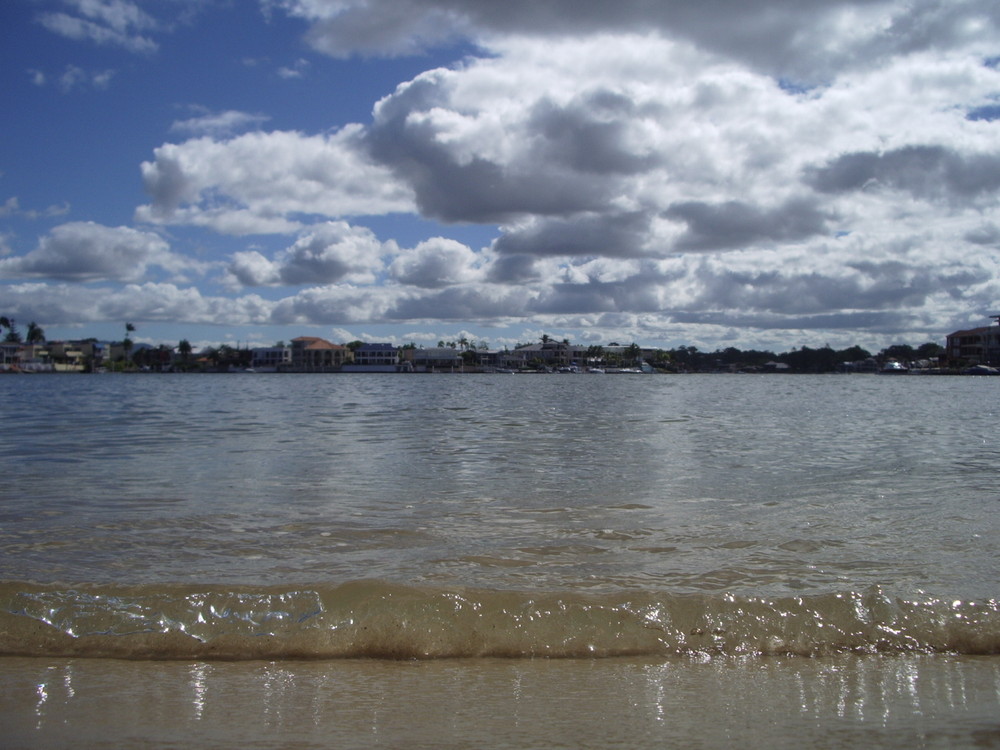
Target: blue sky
{"x":762,"y":174}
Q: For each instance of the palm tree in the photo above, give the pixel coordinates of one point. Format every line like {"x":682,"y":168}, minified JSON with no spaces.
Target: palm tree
{"x":184,"y":348}
{"x":35,"y":333}
{"x":633,"y":352}
{"x":595,"y":355}
{"x":127,"y":343}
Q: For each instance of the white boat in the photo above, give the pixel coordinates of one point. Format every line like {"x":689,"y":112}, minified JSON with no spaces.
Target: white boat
{"x":981,"y":370}
{"x":892,"y":367}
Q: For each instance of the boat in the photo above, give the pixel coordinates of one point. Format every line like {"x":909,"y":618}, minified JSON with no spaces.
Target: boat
{"x":892,"y":367}
{"x":981,"y":370}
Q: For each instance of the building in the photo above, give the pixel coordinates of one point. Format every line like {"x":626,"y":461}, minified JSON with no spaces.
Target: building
{"x":377,"y":355}
{"x":313,"y":354}
{"x":10,"y":355}
{"x":34,"y":358}
{"x":76,"y":356}
{"x":271,"y":358}
{"x":435,"y":359}
{"x":976,"y":346}
{"x":550,"y":354}
{"x":377,"y":358}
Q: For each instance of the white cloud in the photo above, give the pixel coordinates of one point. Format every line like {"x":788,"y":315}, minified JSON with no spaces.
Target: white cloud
{"x":330,"y":253}
{"x":761,"y":170}
{"x":74,"y":77}
{"x":117,"y":23}
{"x":808,"y":40}
{"x":296,"y":70}
{"x":259,"y":182}
{"x":85,"y":251}
{"x":436,"y":263}
{"x":334,"y":305}
{"x":219,"y":124}
{"x":12,"y":207}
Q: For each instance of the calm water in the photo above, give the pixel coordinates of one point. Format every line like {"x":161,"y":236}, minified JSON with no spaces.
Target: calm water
{"x":676,"y":518}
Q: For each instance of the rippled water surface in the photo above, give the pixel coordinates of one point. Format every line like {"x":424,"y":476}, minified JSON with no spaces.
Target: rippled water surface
{"x":223,"y":538}
{"x":764,"y":485}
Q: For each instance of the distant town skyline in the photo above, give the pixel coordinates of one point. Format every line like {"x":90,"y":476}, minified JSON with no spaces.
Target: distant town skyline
{"x":762,"y":176}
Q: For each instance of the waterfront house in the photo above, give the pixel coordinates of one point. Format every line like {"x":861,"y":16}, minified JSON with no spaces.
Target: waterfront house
{"x":435,"y":359}
{"x":976,"y":346}
{"x":271,"y":358}
{"x":313,"y":354}
{"x":76,"y":356}
{"x":10,"y":355}
{"x":550,"y":354}
{"x":377,"y":358}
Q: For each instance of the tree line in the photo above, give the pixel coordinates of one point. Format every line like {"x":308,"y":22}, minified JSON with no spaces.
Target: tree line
{"x":804,"y":359}
{"x":680,"y":359}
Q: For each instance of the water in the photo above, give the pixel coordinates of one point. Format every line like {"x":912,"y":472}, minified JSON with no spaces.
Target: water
{"x":801,"y":531}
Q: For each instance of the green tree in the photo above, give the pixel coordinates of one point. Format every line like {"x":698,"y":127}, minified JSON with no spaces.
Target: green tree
{"x":633,"y":353}
{"x":853,"y":354}
{"x":661,"y":358}
{"x":127,"y":342}
{"x":900,"y":352}
{"x":13,"y":336}
{"x":35,"y":333}
{"x":930,"y":350}
{"x":595,"y":355}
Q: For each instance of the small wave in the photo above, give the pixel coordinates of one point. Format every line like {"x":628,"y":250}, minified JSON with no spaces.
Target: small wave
{"x":382,"y":620}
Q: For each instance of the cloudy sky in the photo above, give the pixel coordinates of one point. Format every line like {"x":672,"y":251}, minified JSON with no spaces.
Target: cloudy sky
{"x":752,"y":173}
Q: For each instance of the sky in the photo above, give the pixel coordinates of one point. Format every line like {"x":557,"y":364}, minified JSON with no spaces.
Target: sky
{"x":759,"y":174}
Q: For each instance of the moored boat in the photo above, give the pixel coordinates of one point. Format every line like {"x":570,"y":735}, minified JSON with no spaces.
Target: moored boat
{"x":892,"y":367}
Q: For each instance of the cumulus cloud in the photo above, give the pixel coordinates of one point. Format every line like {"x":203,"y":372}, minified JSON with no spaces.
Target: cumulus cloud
{"x":330,"y":253}
{"x":436,"y":263}
{"x":262,"y":182}
{"x":334,"y":305}
{"x":73,"y":304}
{"x":927,"y":172}
{"x":609,"y":234}
{"x":540,"y":153}
{"x":802,"y":40}
{"x":735,"y":224}
{"x":85,"y":251}
{"x":985,"y":234}
{"x":473,"y":302}
{"x":662,"y":170}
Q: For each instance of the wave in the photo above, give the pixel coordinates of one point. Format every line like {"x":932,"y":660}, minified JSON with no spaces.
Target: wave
{"x":376,"y":619}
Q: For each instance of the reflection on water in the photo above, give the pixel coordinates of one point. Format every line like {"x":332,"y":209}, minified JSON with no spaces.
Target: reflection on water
{"x":849,"y":701}
{"x":770,"y":485}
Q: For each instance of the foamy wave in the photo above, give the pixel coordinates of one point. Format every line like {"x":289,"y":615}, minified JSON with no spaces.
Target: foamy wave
{"x":376,"y":619}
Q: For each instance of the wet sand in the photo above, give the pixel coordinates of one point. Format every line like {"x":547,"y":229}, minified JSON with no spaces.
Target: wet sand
{"x":845,"y":701}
